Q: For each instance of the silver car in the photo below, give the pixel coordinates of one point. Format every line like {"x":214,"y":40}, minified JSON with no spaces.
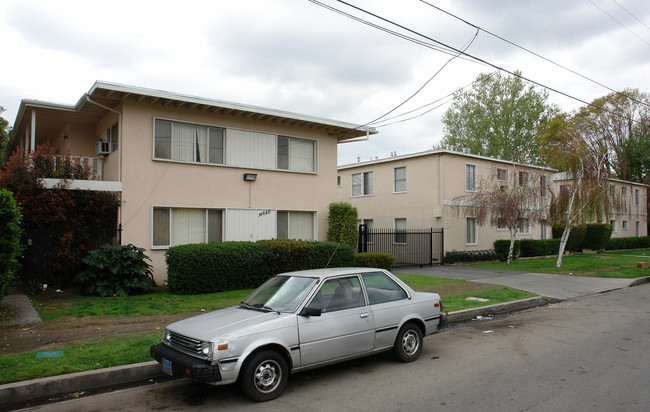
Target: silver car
{"x":298,"y":321}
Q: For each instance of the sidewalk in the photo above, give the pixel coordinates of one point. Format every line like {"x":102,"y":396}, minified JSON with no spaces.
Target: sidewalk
{"x":550,"y":287}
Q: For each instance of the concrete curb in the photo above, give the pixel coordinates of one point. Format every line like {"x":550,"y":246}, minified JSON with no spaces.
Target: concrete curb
{"x":640,"y":281}
{"x":20,"y":393}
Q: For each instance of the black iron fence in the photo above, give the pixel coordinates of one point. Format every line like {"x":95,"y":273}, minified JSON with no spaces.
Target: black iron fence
{"x":411,"y":247}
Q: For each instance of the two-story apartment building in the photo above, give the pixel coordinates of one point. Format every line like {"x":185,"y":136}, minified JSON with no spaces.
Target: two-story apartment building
{"x":191,"y":169}
{"x":425,"y":190}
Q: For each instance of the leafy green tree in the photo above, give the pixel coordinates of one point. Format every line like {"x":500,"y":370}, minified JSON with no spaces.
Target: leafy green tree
{"x":342,"y":221}
{"x":4,"y":136}
{"x":498,"y":117}
{"x":10,"y":232}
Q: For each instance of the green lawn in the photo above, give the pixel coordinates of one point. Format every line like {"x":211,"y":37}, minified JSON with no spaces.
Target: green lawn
{"x":610,"y":264}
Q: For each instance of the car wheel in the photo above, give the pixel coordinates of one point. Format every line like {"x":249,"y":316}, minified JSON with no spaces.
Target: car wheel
{"x":408,"y":344}
{"x":264,"y":376}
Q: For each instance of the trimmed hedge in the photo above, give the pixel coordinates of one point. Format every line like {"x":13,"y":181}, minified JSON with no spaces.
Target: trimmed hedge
{"x":597,"y":236}
{"x":619,"y":243}
{"x":374,"y":260}
{"x":539,"y":247}
{"x":456,"y":256}
{"x":576,"y":236}
{"x":501,"y":247}
{"x":218,"y":267}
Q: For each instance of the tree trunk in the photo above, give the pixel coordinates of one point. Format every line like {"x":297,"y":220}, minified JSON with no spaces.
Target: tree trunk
{"x":563,"y":241}
{"x":513,"y":236}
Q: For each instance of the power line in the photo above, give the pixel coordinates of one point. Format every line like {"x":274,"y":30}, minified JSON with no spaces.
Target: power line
{"x":636,"y":18}
{"x":484,"y":61}
{"x":622,"y":25}
{"x":533,"y":53}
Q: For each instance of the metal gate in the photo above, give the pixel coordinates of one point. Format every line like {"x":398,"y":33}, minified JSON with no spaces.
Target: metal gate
{"x":411,"y":247}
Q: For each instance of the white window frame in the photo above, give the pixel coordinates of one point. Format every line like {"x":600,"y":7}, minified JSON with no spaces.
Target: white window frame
{"x":396,"y":180}
{"x":505,"y":172}
{"x":543,"y":230}
{"x":638,"y":228}
{"x":291,"y":167}
{"x":171,"y":158}
{"x":110,"y":138}
{"x":170,"y":210}
{"x":363,"y":187}
{"x":470,"y":186}
{"x":474,"y":229}
{"x":289,"y":228}
{"x":397,"y":238}
{"x":524,"y":226}
{"x":614,"y":225}
{"x":624,"y":225}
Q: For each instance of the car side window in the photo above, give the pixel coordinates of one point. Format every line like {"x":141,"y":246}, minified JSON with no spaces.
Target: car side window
{"x":339,"y":294}
{"x":381,"y":288}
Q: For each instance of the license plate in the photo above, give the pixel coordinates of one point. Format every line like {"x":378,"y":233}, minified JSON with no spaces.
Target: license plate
{"x":167,"y":367}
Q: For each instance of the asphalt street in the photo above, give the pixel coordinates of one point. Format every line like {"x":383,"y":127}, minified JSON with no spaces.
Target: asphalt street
{"x":589,"y":353}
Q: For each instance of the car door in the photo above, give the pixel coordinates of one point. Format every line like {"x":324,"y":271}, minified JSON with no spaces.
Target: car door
{"x":345,"y":327}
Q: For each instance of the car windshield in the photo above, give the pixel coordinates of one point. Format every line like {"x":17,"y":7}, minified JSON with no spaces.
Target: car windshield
{"x":281,"y":293}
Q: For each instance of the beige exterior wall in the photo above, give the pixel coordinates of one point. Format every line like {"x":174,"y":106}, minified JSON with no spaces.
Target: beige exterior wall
{"x":434,"y":181}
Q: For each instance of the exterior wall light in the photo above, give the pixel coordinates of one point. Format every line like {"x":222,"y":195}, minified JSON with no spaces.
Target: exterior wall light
{"x":250,"y":177}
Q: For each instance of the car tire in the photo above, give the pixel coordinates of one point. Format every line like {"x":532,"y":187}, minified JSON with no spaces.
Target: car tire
{"x":264,"y":376}
{"x":408,"y":344}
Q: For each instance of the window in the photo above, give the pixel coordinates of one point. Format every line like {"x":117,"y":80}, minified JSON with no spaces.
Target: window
{"x":338,"y":181}
{"x":188,"y":142}
{"x":400,"y":231}
{"x":524,"y":226}
{"x":400,"y":179}
{"x":636,"y":197}
{"x":178,"y":226}
{"x":112,"y":137}
{"x":295,"y":225}
{"x":382,"y":289}
{"x":362,"y":184}
{"x":524,"y":178}
{"x":470,"y":178}
{"x":339,"y":294}
{"x":625,"y":225}
{"x":612,"y":190}
{"x":638,"y":228}
{"x":502,"y":175}
{"x":623,"y":191}
{"x":501,"y":224}
{"x":296,"y":154}
{"x":543,"y":186}
{"x":613,"y":223}
{"x":544,"y":227}
{"x":470,"y":231}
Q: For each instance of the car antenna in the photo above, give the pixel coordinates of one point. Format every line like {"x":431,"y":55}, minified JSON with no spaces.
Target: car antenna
{"x":337,"y":247}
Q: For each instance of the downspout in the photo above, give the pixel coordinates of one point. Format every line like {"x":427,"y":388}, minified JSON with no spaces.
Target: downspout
{"x":119,"y":144}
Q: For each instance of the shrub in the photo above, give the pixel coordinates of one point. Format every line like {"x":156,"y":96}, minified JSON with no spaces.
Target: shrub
{"x":455,"y":256}
{"x":291,"y":255}
{"x":597,"y":236}
{"x":374,"y":260}
{"x":10,"y":232}
{"x":342,"y":222}
{"x":115,"y":270}
{"x":576,"y":236}
{"x":539,"y":247}
{"x":628,"y":243}
{"x":502,"y":247}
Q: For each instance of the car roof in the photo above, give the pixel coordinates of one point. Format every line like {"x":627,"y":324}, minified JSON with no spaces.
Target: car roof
{"x":330,"y":272}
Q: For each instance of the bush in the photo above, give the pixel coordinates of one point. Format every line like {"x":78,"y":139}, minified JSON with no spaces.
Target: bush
{"x":502,"y":247}
{"x":374,"y":260}
{"x":10,"y":232}
{"x":576,"y":236}
{"x":342,"y":221}
{"x":115,"y":270}
{"x":540,"y":247}
{"x":628,"y":243}
{"x":455,"y":256}
{"x":597,"y":236}
{"x":218,"y":267}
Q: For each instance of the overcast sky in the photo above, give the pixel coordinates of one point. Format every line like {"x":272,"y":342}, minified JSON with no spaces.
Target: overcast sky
{"x":295,"y":55}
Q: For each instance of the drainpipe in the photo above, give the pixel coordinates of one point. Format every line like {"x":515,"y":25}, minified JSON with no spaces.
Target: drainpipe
{"x":32,"y":140}
{"x":119,"y":144}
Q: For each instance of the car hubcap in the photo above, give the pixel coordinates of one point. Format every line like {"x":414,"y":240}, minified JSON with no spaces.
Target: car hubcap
{"x":267,"y":376}
{"x":410,"y":342}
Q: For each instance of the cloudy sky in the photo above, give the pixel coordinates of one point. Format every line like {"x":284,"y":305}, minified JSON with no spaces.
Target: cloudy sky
{"x":298,"y":56}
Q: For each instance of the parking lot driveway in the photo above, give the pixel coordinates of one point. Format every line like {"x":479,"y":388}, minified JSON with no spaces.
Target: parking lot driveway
{"x":545,"y":284}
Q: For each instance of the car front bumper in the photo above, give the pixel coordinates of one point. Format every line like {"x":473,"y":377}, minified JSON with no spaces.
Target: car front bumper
{"x":186,"y":366}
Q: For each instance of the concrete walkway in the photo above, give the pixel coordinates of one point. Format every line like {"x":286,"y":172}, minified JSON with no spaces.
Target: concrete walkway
{"x":18,"y":309}
{"x":545,"y":284}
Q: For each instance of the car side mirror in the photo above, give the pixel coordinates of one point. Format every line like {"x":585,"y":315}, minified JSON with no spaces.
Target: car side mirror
{"x":310,"y":311}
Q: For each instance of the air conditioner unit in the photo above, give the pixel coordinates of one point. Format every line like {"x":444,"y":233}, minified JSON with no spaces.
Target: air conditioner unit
{"x":103,"y":149}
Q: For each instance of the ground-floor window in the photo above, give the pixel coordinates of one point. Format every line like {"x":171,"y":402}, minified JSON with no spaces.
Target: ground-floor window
{"x":179,"y":226}
{"x":470,"y":231}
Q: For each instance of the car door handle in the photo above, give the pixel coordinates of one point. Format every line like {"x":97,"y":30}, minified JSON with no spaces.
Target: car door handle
{"x":365,"y":315}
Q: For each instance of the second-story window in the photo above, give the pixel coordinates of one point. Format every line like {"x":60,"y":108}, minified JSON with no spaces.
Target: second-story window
{"x":543,"y":186}
{"x":362,"y":184}
{"x":470,"y":178}
{"x":636,"y":197}
{"x":400,"y":179}
{"x":296,"y":154}
{"x":188,"y":142}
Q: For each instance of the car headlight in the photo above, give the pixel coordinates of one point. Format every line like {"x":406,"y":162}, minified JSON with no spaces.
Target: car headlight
{"x":206,"y":349}
{"x":167,"y":336}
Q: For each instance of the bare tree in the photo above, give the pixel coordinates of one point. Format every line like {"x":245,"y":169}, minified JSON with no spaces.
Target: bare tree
{"x":511,"y":198}
{"x":584,"y":196}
